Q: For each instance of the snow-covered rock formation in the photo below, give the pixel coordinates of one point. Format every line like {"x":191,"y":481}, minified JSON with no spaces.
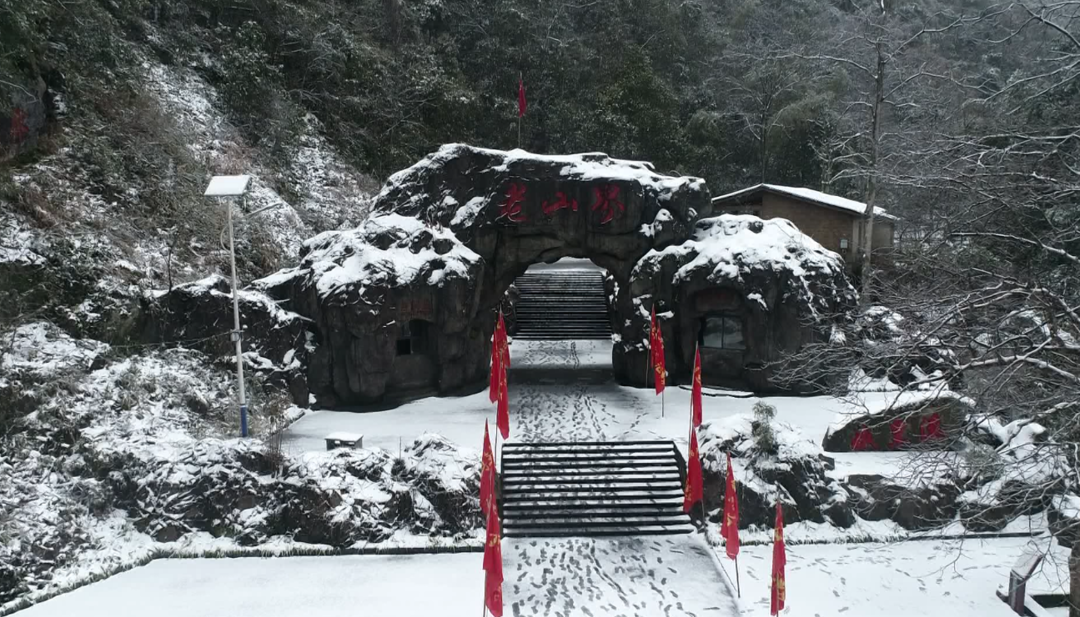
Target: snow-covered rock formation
{"x":404,"y":304}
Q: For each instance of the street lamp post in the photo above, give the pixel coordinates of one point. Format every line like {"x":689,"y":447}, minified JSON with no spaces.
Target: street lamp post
{"x":234,"y":187}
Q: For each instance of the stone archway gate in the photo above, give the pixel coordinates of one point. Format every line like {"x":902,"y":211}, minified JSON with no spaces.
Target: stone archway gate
{"x":447,"y":237}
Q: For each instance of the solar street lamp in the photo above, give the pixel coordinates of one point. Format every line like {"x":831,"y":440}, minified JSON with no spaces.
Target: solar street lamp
{"x":231,"y":189}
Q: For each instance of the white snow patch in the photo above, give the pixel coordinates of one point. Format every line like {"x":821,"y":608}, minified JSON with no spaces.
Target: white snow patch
{"x":875,"y":403}
{"x":347,"y":260}
{"x":956,"y":578}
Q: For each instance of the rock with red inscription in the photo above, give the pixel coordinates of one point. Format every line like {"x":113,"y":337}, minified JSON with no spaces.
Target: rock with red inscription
{"x":405,"y":304}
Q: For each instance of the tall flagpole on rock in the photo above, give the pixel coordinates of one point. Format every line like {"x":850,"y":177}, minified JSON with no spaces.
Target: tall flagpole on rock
{"x":521,"y":105}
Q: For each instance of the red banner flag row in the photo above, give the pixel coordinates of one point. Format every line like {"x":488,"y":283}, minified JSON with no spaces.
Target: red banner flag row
{"x":497,"y":390}
{"x":779,"y":561}
{"x":487,"y":476}
{"x":493,"y":566}
{"x":729,"y":524}
{"x":694,"y":489}
{"x":656,"y":353}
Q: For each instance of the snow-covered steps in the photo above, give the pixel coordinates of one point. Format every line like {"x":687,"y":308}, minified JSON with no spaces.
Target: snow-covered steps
{"x":562,"y":304}
{"x":592,"y":489}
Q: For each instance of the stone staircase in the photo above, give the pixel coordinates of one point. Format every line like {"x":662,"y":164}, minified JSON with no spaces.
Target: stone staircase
{"x":562,"y":304}
{"x":592,"y":489}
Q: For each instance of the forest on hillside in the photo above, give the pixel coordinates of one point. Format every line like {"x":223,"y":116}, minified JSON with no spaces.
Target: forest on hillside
{"x":960,"y":117}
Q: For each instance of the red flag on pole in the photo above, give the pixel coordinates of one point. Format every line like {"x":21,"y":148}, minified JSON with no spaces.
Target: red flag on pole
{"x":522,"y":105}
{"x":493,"y":566}
{"x":503,"y":340}
{"x":779,"y":560}
{"x":729,"y":525}
{"x":502,"y":417}
{"x":695,"y":393}
{"x":496,"y":361}
{"x":487,"y":476}
{"x":656,"y":350}
{"x":694,"y":489}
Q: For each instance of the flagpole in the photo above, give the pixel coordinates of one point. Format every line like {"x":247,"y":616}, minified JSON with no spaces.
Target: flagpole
{"x":738,"y":586}
{"x":520,"y":116}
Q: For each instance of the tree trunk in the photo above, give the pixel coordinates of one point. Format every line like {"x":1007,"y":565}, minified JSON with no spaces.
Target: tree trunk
{"x":1074,"y":580}
{"x":872,"y":180}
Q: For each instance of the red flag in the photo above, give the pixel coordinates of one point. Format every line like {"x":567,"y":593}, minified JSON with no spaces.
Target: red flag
{"x":487,"y":476}
{"x":779,"y":560}
{"x":493,"y":566}
{"x":503,"y":340}
{"x":502,"y":417}
{"x":521,"y":98}
{"x":496,"y":362}
{"x":656,"y":350}
{"x":695,"y":393}
{"x":729,"y":525}
{"x":694,"y":489}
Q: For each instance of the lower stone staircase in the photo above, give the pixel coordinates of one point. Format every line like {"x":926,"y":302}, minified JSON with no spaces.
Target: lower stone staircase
{"x":592,"y":489}
{"x":562,"y":304}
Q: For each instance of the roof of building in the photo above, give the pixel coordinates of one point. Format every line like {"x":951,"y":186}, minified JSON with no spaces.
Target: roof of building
{"x":803,"y":194}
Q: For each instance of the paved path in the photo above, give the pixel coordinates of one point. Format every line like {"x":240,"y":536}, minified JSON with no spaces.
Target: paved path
{"x":649,"y":576}
{"x":564,"y":391}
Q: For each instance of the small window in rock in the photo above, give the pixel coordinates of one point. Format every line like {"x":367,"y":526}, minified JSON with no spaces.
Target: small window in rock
{"x":414,"y":338}
{"x":721,"y":331}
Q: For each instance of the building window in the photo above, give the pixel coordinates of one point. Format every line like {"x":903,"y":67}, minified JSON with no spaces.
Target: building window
{"x":843,"y":245}
{"x":413,"y":338}
{"x":721,"y":331}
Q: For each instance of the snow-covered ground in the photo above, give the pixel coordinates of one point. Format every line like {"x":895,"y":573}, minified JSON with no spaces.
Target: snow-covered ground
{"x":623,"y":576}
{"x":587,"y":577}
{"x":562,"y":390}
{"x":423,"y":586}
{"x":954,"y":578}
{"x":665,"y":575}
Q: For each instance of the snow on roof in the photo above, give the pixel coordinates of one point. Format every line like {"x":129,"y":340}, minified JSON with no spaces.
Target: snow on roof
{"x":811,"y":195}
{"x":730,"y":243}
{"x":344,"y":436}
{"x":336,"y":260}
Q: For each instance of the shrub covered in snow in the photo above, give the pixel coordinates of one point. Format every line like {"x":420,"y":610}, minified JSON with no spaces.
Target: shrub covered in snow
{"x":791,"y":469}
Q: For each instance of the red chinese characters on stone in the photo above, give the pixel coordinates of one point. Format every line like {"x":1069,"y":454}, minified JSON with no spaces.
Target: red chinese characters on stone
{"x":19,"y":129}
{"x":561,"y":203}
{"x":607,"y":202}
{"x":511,"y":209}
